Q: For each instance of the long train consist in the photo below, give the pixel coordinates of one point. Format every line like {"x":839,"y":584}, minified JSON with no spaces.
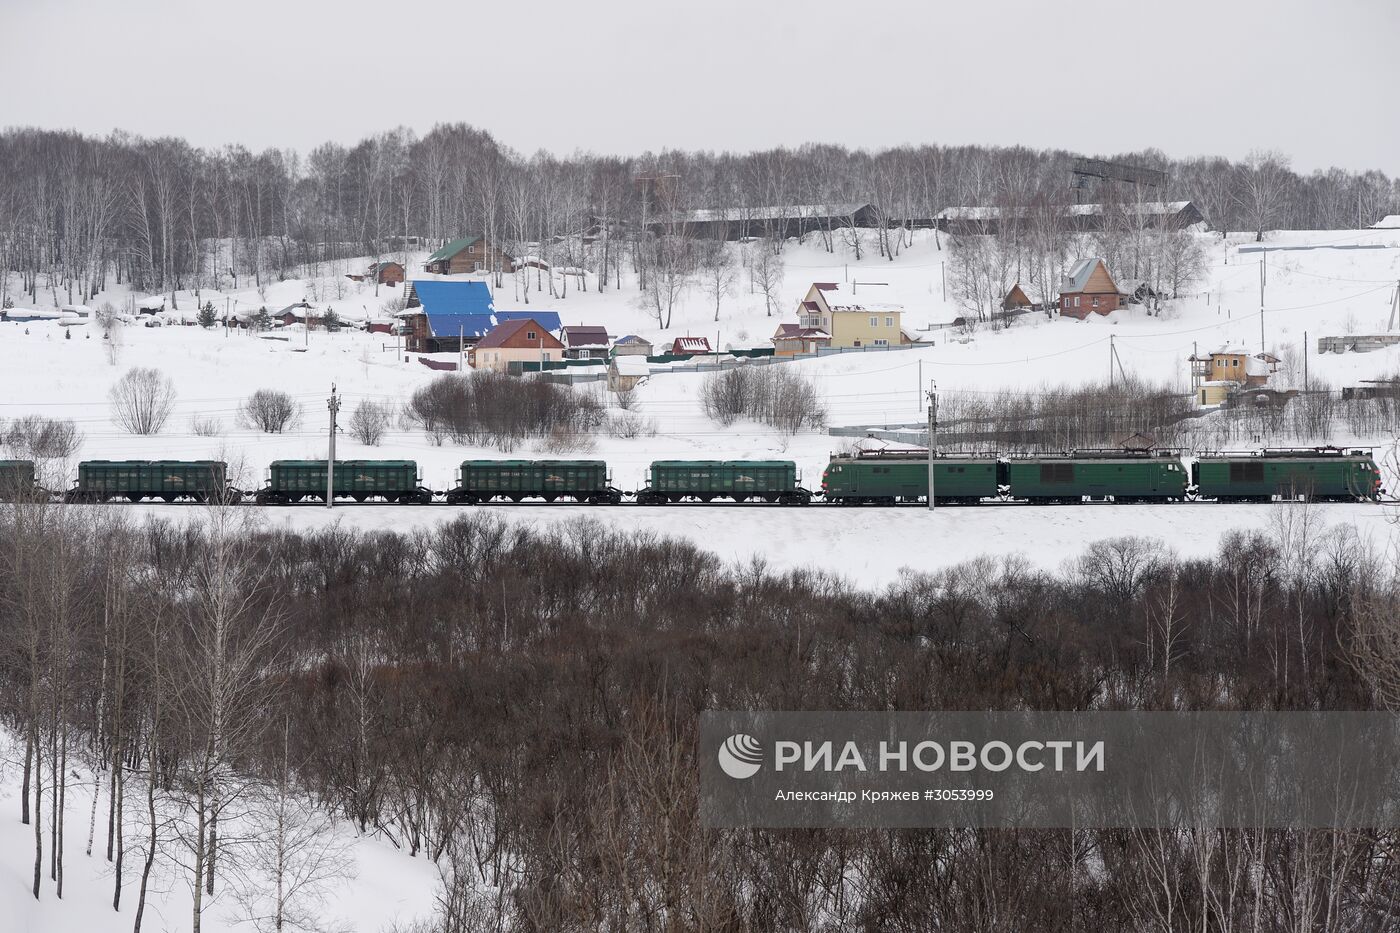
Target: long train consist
{"x":1324,"y":474}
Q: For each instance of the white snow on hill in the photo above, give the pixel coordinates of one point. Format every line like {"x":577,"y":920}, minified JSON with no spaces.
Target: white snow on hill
{"x":1319,"y":283}
{"x":384,"y":888}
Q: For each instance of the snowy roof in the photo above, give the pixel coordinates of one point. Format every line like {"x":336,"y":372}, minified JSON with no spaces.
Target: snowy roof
{"x":692,"y":344}
{"x":798,"y":332}
{"x":631,"y":365}
{"x":854,"y":296}
{"x":983,"y":212}
{"x":771,"y":212}
{"x":632,"y":339}
{"x":1253,"y":366}
{"x":153,"y":303}
{"x":1388,"y":222}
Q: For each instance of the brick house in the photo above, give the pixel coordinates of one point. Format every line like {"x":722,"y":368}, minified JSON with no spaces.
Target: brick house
{"x":469,"y":254}
{"x":524,"y":340}
{"x":1088,"y":288}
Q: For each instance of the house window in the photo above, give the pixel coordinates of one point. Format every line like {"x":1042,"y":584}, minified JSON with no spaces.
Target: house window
{"x":1064,"y":302}
{"x":546,"y":355}
{"x":1076,"y":301}
{"x":874,"y":322}
{"x":889,"y":322}
{"x":1096,"y":302}
{"x":881,"y":342}
{"x":530,"y":335}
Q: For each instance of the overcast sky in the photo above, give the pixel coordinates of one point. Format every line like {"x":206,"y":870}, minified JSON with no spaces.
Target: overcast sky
{"x":1319,"y":81}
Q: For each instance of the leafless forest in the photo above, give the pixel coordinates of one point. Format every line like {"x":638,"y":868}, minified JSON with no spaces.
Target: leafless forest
{"x":520,"y":707}
{"x":80,"y":213}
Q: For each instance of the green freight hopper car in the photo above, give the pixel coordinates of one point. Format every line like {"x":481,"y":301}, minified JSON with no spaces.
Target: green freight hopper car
{"x":550,"y":480}
{"x":1086,"y":475}
{"x":166,"y":480}
{"x":707,"y":480}
{"x":17,"y":480}
{"x":390,"y":480}
{"x":885,"y":479}
{"x":1327,"y":474}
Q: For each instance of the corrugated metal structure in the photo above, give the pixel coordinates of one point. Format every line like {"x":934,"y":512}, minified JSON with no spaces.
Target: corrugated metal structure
{"x":550,"y":480}
{"x":167,"y":480}
{"x":391,"y":480}
{"x":16,"y":479}
{"x":739,"y":480}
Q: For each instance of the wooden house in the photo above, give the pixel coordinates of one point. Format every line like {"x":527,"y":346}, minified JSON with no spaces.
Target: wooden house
{"x":1016,"y":299}
{"x":385,"y":273}
{"x":524,"y":340}
{"x":469,"y":254}
{"x":585,"y":342}
{"x":1089,"y":288}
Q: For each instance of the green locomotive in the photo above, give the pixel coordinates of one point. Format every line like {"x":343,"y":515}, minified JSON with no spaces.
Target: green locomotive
{"x":1325,"y":474}
{"x":550,"y":480}
{"x":886,"y":479}
{"x":165,"y":480}
{"x":738,"y":480}
{"x":1073,"y":478}
{"x":360,"y":480}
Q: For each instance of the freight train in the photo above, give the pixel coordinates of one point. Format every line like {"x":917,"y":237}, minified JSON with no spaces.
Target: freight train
{"x":880,"y":478}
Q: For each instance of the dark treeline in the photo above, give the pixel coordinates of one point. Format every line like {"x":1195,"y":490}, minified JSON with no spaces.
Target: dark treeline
{"x":79,"y":213}
{"x":521,"y":707}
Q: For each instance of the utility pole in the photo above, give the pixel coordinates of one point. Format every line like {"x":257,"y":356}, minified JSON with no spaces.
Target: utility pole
{"x":943,"y":275}
{"x":1110,"y":361}
{"x":932,"y":426}
{"x":461,"y":338}
{"x":334,"y":406}
{"x":1305,"y":362}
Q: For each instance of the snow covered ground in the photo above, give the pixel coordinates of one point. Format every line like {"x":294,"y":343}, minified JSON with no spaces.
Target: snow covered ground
{"x":1318,"y":283}
{"x":384,"y":889}
{"x":46,"y":368}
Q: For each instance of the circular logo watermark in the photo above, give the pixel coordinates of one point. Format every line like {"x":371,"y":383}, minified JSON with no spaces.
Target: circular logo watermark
{"x":740,"y":756}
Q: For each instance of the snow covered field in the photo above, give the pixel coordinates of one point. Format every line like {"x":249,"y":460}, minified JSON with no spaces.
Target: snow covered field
{"x":1319,"y":283}
{"x":385,"y":888}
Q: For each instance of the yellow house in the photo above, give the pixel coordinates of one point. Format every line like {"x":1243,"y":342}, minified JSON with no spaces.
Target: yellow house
{"x":854,"y":315}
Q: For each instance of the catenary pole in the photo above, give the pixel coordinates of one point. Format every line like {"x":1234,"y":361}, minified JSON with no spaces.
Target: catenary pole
{"x":932,"y":426}
{"x":334,"y":406}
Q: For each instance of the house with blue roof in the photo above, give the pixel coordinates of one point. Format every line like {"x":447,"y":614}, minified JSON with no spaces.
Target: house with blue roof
{"x":455,"y":315}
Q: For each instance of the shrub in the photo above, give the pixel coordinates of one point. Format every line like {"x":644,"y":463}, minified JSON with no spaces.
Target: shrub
{"x":631,"y":424}
{"x":142,"y":400}
{"x":501,"y":411}
{"x":271,"y":411}
{"x":37,"y":438}
{"x":206,"y":426}
{"x":779,"y":397}
{"x":370,"y":420}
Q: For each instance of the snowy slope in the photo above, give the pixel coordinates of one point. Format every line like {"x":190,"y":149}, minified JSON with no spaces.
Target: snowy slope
{"x":387,"y":887}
